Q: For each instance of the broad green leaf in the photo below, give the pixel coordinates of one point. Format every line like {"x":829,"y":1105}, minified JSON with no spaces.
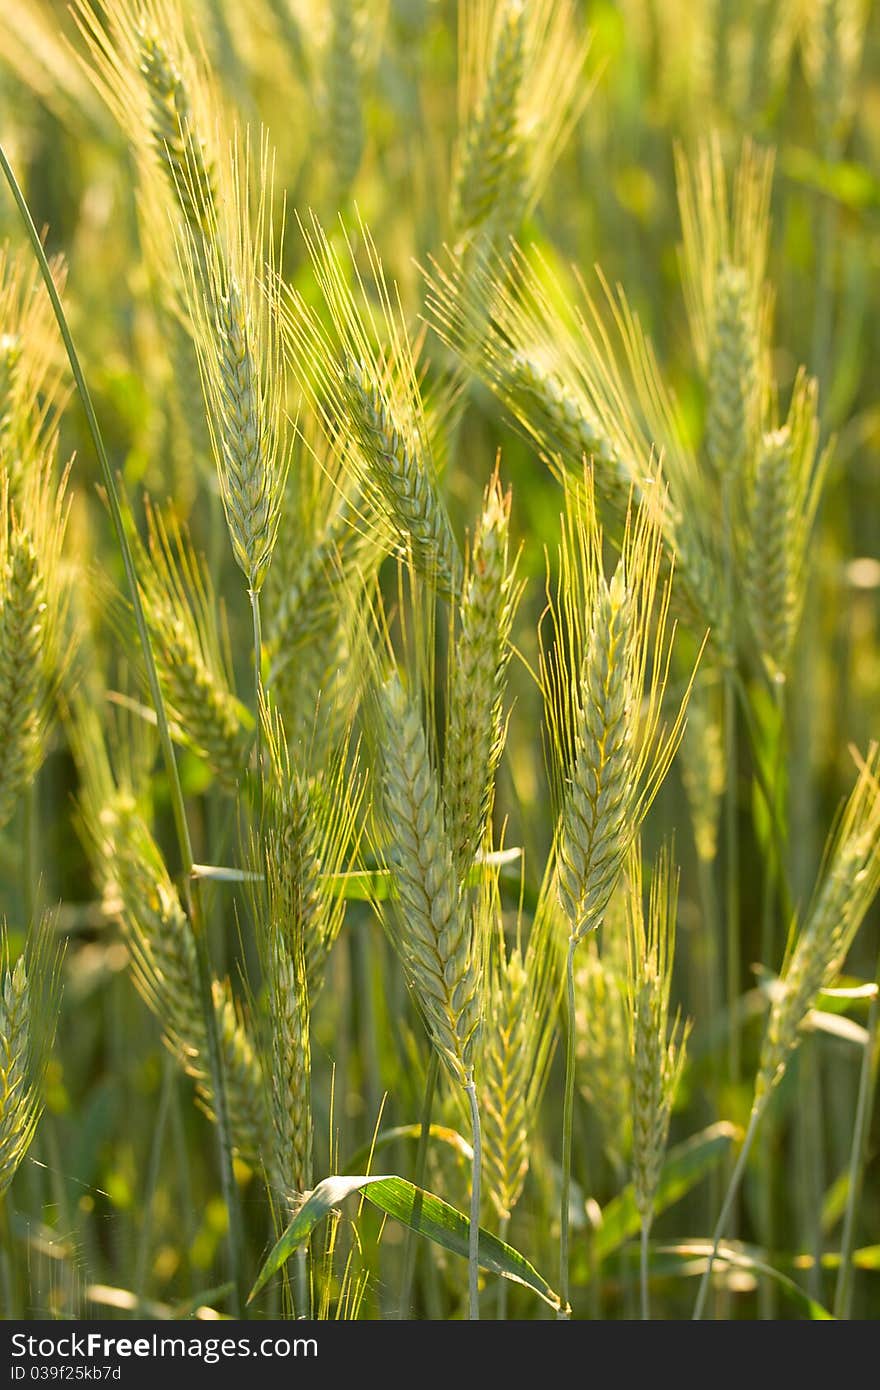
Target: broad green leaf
{"x":685,"y":1166}
{"x":424,"y":1213}
{"x":740,"y":1257}
{"x":377,"y":885}
{"x":389,"y":1136}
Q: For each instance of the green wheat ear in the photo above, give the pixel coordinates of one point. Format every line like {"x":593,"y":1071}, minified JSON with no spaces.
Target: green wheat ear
{"x":29,"y":1005}
{"x":480,"y":654}
{"x":657,"y":1046}
{"x":604,"y":678}
{"x":360,"y":378}
{"x":193,"y":659}
{"x":233,"y":294}
{"x":818,"y":949}
{"x":33,"y":603}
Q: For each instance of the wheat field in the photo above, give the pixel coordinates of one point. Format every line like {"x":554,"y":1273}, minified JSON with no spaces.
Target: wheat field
{"x":439,"y":659}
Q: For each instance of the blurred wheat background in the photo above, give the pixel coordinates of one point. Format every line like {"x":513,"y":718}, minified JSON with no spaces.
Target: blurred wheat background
{"x":440,"y":662}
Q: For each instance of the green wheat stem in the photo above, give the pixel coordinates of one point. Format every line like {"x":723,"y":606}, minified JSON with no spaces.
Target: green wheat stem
{"x":30,"y":891}
{"x":303,"y":1292}
{"x":643,"y":1271}
{"x":567,"y":1126}
{"x":773,"y":867}
{"x":254,"y":595}
{"x":230,"y":1191}
{"x":169,"y":1070}
{"x":777,"y":829}
{"x":726,"y":1209}
{"x":410,"y":1248}
{"x":503,"y":1228}
{"x":843,"y":1292}
{"x":731,"y":808}
{"x":474,"y":1232}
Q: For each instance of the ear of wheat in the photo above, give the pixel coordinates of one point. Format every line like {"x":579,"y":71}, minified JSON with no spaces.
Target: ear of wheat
{"x":657,"y":1047}
{"x":140,"y":63}
{"x":604,"y":680}
{"x":343,"y":85}
{"x":182,"y":613}
{"x":584,"y":384}
{"x":433,"y":933}
{"x":29,"y":1003}
{"x":847,"y":888}
{"x":522,"y":88}
{"x":361,"y":379}
{"x":32,"y":607}
{"x":137,"y":889}
{"x":724,"y":244}
{"x":516,"y":1043}
{"x":475,"y":724}
{"x":234,"y":302}
{"x":784,"y":490}
{"x":32,"y":391}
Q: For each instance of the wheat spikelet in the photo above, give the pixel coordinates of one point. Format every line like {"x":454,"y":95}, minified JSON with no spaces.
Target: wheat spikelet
{"x":783,"y":497}
{"x":233,"y":297}
{"x":489,"y":148}
{"x":733,"y":376}
{"x":165,"y":971}
{"x":584,"y":389}
{"x":725,"y":238}
{"x":291,"y":1068}
{"x":179,"y":147}
{"x":475,"y":729}
{"x":521,"y":90}
{"x":516,"y":1042}
{"x":402,"y":477}
{"x":369,"y":396}
{"x":29,"y":999}
{"x":344,"y":113}
{"x":137,"y":889}
{"x":31,"y":390}
{"x":433,"y":934}
{"x":604,"y":704}
{"x":847,"y":888}
{"x":657,"y":1049}
{"x":139,"y":61}
{"x":181,"y":611}
{"x":32,"y":605}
